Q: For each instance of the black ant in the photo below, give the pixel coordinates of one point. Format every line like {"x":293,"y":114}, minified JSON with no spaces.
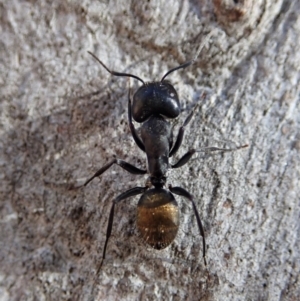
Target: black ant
{"x":157,"y":210}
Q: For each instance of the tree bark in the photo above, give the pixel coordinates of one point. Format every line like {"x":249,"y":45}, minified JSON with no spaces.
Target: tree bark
{"x":63,"y":116}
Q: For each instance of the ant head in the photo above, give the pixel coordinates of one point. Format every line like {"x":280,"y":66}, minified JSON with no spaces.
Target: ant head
{"x":156,"y":98}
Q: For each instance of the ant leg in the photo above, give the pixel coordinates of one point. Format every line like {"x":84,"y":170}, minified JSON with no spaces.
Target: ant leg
{"x":127,"y":166}
{"x":129,"y":193}
{"x":182,"y":192}
{"x":134,"y":134}
{"x":186,"y":157}
{"x":181,"y":133}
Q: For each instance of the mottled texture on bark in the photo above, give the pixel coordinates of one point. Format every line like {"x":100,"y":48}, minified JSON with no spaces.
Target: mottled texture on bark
{"x":63,"y":117}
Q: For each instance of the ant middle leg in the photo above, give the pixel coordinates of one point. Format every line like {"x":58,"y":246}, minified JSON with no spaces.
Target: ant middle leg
{"x":127,"y":166}
{"x":187,"y":156}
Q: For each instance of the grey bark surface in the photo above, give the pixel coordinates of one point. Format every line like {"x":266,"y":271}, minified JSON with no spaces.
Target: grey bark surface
{"x":63,"y":117}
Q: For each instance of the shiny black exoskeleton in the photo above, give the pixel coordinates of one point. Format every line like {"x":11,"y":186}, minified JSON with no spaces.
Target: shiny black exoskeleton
{"x":157,"y":213}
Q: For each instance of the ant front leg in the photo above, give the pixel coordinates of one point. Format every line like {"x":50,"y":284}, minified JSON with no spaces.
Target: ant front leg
{"x":180,"y":134}
{"x":127,"y":166}
{"x":129,"y":193}
{"x":134,"y":134}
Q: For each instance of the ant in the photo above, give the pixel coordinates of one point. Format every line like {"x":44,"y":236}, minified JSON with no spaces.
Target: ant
{"x":157,"y":210}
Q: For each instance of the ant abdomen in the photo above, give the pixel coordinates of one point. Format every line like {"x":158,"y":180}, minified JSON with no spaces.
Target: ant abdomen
{"x":156,"y":98}
{"x":158,"y":217}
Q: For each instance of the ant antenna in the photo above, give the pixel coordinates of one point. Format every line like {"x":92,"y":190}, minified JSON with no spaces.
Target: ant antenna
{"x":179,"y":67}
{"x":114,"y":72}
{"x":193,"y":60}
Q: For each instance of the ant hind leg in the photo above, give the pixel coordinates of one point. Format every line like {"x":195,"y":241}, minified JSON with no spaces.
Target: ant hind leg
{"x":129,"y":193}
{"x":182,"y":192}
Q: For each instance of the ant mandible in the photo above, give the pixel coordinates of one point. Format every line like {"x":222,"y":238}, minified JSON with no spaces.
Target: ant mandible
{"x":157,"y":209}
